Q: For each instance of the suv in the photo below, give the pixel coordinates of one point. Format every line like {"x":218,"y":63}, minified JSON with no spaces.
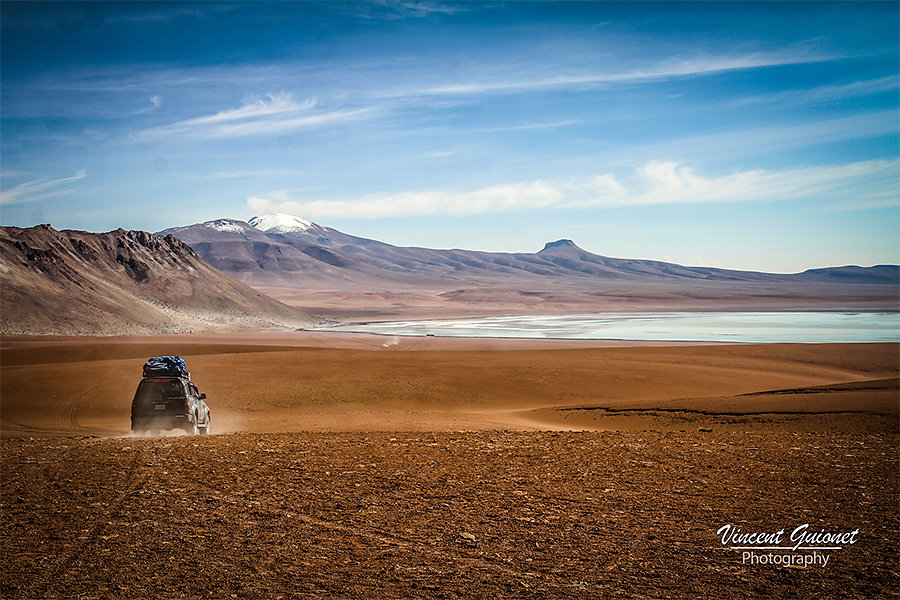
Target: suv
{"x":169,"y":403}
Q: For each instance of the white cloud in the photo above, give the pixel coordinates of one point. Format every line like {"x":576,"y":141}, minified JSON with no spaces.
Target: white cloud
{"x":669,"y":183}
{"x":275,"y":113}
{"x":532,"y":195}
{"x":532,"y":126}
{"x":670,"y":69}
{"x":246,"y":174}
{"x":256,"y":108}
{"x":155,"y":102}
{"x":654,"y":183}
{"x":441,"y":153}
{"x":429,"y":8}
{"x":39,"y":189}
{"x":824,"y":93}
{"x":393,"y":10}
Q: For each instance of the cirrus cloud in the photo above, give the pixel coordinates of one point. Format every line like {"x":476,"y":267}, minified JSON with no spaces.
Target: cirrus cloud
{"x":271,"y":114}
{"x":675,"y":68}
{"x":39,"y":189}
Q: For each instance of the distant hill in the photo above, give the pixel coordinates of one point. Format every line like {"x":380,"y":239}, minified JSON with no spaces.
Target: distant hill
{"x":121,"y":282}
{"x":282,"y":250}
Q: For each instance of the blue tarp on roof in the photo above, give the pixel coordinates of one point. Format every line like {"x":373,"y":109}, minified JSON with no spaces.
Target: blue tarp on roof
{"x":172,"y":366}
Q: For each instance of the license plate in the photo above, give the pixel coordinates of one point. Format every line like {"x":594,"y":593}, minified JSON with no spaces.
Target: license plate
{"x":160,"y":407}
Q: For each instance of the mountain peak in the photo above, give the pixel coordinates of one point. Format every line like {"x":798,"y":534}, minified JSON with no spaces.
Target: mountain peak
{"x":281,"y":223}
{"x":229,"y":225}
{"x":560,"y":244}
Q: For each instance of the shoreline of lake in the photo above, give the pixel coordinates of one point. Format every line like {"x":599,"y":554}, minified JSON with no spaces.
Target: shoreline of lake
{"x":682,"y":326}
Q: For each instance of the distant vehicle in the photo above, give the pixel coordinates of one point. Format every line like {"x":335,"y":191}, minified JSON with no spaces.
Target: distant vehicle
{"x":166,"y":398}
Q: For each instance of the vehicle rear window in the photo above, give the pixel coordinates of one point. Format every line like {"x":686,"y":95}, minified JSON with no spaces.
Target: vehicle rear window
{"x":149,"y":391}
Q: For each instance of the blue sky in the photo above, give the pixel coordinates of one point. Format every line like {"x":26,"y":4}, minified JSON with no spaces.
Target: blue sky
{"x":756,"y":136}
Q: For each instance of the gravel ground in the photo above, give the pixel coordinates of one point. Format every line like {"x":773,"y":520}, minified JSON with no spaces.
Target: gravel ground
{"x":443,"y":515}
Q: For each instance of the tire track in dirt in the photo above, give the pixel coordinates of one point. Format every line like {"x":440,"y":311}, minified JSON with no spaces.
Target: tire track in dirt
{"x":382,"y":537}
{"x":43,"y":584}
{"x":69,"y":454}
{"x":65,"y":416}
{"x":556,"y":515}
{"x":10,"y":425}
{"x":67,"y":412}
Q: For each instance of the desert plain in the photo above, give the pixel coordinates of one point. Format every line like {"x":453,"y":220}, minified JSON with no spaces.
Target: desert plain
{"x":352,"y":466}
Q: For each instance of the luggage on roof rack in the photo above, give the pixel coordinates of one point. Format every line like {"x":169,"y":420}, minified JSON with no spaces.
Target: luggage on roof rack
{"x":166,"y":366}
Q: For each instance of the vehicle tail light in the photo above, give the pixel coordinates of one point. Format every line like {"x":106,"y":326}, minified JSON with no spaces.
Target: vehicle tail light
{"x":187,"y":405}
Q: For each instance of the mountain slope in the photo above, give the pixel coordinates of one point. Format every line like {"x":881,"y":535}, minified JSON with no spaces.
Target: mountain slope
{"x":282,"y":250}
{"x":121,"y":282}
{"x":260,"y":258}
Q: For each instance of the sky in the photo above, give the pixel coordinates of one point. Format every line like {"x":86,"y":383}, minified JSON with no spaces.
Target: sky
{"x":761,"y":136}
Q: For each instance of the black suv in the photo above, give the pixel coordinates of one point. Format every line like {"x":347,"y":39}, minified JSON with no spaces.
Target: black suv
{"x":169,"y":403}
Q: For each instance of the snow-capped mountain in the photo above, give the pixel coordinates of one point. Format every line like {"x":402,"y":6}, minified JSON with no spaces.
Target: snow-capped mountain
{"x":282,"y":223}
{"x":287,"y":251}
{"x":228,"y":225}
{"x":220,"y":228}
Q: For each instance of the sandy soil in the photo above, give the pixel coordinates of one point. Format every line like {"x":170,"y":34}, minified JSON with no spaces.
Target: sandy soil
{"x":321,"y":338}
{"x":446,"y":470}
{"x":85,"y":386}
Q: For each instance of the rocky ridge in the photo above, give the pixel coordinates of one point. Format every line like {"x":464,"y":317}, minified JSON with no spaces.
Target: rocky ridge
{"x":121,"y":282}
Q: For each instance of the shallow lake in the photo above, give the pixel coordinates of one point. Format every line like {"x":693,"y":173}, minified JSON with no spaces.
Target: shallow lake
{"x":812,"y":327}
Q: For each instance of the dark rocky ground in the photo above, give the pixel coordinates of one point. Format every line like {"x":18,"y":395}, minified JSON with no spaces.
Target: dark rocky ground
{"x":442,"y":515}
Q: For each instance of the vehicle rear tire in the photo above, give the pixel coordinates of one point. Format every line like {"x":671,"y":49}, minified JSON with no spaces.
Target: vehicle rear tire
{"x":205,"y":429}
{"x":191,"y":428}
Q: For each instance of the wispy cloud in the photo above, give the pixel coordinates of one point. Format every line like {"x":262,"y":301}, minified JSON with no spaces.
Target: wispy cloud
{"x":441,"y":153}
{"x":39,"y":189}
{"x":161,"y":12}
{"x":654,"y":183}
{"x":532,"y":126}
{"x":755,"y":142}
{"x":662,"y":182}
{"x":669,"y":69}
{"x":273,"y":105}
{"x":274,"y":113}
{"x":240,"y":174}
{"x":425,"y":9}
{"x":822,"y":93}
{"x":155,"y":103}
{"x":393,"y":10}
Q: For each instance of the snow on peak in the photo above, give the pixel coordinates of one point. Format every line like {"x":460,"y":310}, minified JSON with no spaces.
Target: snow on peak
{"x":281,"y":223}
{"x":224,"y":225}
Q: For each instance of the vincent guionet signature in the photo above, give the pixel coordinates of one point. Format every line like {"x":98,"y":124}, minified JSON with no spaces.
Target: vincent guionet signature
{"x":802,"y":547}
